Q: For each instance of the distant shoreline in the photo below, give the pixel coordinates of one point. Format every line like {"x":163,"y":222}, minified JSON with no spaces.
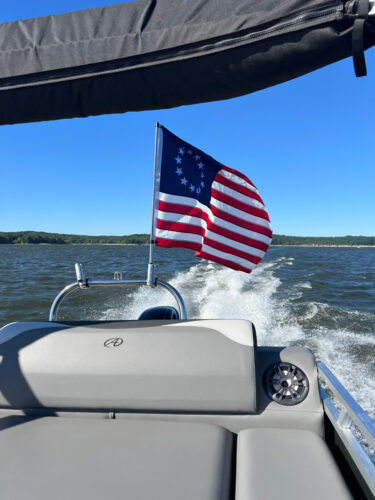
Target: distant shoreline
{"x":146,"y":244}
{"x":78,"y":244}
{"x":43,"y":238}
{"x":326,"y":246}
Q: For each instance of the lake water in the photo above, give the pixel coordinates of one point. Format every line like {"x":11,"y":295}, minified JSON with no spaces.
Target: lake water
{"x":323,"y":298}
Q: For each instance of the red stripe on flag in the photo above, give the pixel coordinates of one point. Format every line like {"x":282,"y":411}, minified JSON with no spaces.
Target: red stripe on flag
{"x":182,"y":209}
{"x":161,"y":242}
{"x":224,"y":262}
{"x":239,"y":204}
{"x":237,"y":187}
{"x":231,"y":250}
{"x":179,"y":227}
{"x":240,"y":222}
{"x":235,"y":172}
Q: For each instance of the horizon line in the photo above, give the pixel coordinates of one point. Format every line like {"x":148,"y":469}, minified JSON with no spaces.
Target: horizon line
{"x":148,"y":234}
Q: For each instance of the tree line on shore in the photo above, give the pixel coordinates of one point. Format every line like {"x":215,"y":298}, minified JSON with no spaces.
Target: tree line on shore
{"x":26,"y":237}
{"x":35,"y":237}
{"x":280,"y":239}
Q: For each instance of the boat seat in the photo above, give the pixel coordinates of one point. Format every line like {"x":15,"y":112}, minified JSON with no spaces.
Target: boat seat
{"x":282,"y":463}
{"x":73,"y":458}
{"x":145,"y":366}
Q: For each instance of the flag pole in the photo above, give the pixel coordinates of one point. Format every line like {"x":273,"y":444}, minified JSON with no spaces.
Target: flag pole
{"x":150,"y":267}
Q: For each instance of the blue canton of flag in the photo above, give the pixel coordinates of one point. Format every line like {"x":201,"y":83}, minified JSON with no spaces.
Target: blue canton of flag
{"x":186,"y":171}
{"x":206,"y":206}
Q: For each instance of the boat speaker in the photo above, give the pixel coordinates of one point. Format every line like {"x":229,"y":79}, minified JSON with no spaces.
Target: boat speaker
{"x":286,"y":384}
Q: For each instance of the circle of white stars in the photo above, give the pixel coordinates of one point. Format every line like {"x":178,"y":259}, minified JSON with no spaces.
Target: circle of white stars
{"x":193,"y":188}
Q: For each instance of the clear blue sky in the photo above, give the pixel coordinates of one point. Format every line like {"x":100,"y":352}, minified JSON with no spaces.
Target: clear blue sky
{"x":308,"y":145}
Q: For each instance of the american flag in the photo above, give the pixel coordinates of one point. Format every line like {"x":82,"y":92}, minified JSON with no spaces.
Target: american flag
{"x":206,"y":206}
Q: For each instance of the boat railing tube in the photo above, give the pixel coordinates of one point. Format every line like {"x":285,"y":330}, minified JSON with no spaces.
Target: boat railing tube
{"x":84,"y":283}
{"x":349,"y":414}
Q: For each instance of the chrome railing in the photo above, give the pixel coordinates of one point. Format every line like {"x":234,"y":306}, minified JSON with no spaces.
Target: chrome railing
{"x":83,"y":283}
{"x":343,"y":419}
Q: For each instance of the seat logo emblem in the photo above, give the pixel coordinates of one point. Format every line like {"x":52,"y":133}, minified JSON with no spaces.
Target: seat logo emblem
{"x":113,"y":342}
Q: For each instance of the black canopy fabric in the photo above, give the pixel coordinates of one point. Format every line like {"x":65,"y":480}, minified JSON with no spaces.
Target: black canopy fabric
{"x":153,"y":54}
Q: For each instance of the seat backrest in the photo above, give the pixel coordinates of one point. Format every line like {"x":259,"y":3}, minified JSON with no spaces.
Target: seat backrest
{"x":204,"y":366}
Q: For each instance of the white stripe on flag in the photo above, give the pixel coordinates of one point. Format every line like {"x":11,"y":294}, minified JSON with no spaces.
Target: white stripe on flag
{"x":240,"y":214}
{"x":238,"y":180}
{"x":182,"y":219}
{"x":184,"y":200}
{"x":237,"y":196}
{"x":178,"y":236}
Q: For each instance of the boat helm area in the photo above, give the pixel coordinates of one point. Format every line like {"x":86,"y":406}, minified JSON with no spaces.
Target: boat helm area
{"x":166,"y":407}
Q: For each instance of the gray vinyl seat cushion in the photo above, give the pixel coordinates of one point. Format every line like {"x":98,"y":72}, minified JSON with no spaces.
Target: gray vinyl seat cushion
{"x":185,"y":366}
{"x":281,"y":463}
{"x":85,"y":458}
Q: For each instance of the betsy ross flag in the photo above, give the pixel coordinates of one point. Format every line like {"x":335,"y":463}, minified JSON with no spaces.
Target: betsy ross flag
{"x":206,"y":206}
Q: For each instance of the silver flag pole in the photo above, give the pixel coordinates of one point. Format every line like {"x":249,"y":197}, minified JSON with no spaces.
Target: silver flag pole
{"x":157,"y":162}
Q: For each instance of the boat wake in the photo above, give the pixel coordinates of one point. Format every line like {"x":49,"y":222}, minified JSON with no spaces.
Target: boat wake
{"x":283,"y":315}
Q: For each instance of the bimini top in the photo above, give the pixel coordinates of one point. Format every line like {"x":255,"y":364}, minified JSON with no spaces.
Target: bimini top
{"x":153,"y":54}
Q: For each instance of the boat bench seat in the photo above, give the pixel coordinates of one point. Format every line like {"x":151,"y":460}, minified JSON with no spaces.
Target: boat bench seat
{"x":92,"y":459}
{"x":153,"y":366}
{"x":284,"y":463}
{"x":61,"y":458}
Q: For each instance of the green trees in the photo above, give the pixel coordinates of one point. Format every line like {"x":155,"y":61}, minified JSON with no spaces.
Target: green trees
{"x":26,"y":237}
{"x":280,"y":239}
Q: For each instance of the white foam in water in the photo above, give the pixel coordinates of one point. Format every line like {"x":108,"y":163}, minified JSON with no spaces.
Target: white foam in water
{"x":212,"y":291}
{"x":305,"y":284}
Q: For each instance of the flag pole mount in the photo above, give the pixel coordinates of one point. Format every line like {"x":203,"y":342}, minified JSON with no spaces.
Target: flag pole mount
{"x":151,"y":280}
